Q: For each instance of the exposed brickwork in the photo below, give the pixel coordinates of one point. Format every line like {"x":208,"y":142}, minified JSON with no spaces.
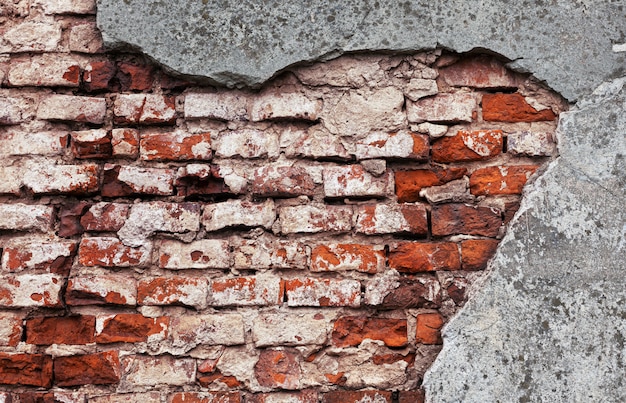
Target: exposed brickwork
{"x":163,"y":240}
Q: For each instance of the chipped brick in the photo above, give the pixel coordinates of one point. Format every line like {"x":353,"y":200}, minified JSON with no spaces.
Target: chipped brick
{"x":144,"y":109}
{"x":391,"y":219}
{"x":111,"y":252}
{"x":175,"y":146}
{"x":339,"y":257}
{"x":350,"y":331}
{"x":474,"y":145}
{"x":501,"y":180}
{"x":186,"y":291}
{"x":412,"y":257}
{"x":323,"y":292}
{"x":202,"y":254}
{"x":313,"y":218}
{"x":101,"y":290}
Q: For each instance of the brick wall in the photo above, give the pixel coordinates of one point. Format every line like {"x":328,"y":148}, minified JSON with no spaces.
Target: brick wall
{"x":172,"y":242}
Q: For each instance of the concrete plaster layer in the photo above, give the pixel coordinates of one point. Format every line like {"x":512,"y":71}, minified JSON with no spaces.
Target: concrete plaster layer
{"x":573,"y":45}
{"x":549,"y":324}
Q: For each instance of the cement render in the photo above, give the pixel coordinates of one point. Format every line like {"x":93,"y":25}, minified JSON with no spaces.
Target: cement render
{"x":549,"y":322}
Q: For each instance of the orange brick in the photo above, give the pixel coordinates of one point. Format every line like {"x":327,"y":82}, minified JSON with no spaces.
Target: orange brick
{"x":413,"y":257}
{"x":512,"y":108}
{"x":474,"y":145}
{"x":500,"y":180}
{"x":352,"y":330}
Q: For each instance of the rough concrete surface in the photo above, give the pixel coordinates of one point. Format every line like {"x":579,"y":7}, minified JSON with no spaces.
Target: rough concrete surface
{"x":549,"y":323}
{"x":567,"y":43}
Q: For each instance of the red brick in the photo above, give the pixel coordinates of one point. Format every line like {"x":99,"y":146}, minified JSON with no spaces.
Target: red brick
{"x":480,"y":71}
{"x":26,"y":369}
{"x":350,"y":331}
{"x":349,"y":396}
{"x":98,"y":75}
{"x":122,"y":181}
{"x":452,"y":219}
{"x":89,"y":369}
{"x":474,"y":145}
{"x":175,"y":146}
{"x":61,"y":330}
{"x":102,"y":289}
{"x":500,"y":180}
{"x":130,"y":328}
{"x":407,"y":292}
{"x":69,"y":219}
{"x":72,"y":108}
{"x":396,"y":145}
{"x":91,"y":144}
{"x":323,"y":292}
{"x":355,"y":181}
{"x":278,"y":369}
{"x":428,"y":328}
{"x":144,"y":109}
{"x":205,"y":397}
{"x":47,"y":70}
{"x":134,"y":76}
{"x":10,"y":329}
{"x":111,"y":252}
{"x":445,"y":108}
{"x":173,"y":291}
{"x":409,"y":183}
{"x":391,"y":219}
{"x":313,"y":218}
{"x":285,"y":181}
{"x":53,"y":257}
{"x":338,"y":257}
{"x":125,"y":143}
{"x":31,"y":290}
{"x":23,"y":217}
{"x":411,"y":396}
{"x":216,"y":378}
{"x":303,"y":396}
{"x":105,"y":217}
{"x":246,"y":291}
{"x":475,"y":253}
{"x":512,"y":108}
{"x":413,"y":257}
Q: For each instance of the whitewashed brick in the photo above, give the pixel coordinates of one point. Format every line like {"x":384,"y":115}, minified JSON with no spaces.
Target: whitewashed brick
{"x":313,"y":218}
{"x":86,"y":38}
{"x":74,"y":108}
{"x":531,"y":144}
{"x":264,"y":253}
{"x":125,"y":142}
{"x":230,"y":106}
{"x":458,"y":107}
{"x":150,"y":371}
{"x":238,"y":213}
{"x":246,"y":143}
{"x":261,"y":290}
{"x":23,"y":217}
{"x":355,"y":181}
{"x":14,"y":110}
{"x":390,"y":219}
{"x":144,"y":108}
{"x":418,"y":88}
{"x":290,"y":329}
{"x":51,"y":179}
{"x":32,"y":143}
{"x":68,"y":6}
{"x":31,"y":290}
{"x":154,"y":181}
{"x":202,"y":254}
{"x":401,"y":144}
{"x":150,"y":397}
{"x":47,"y":70}
{"x":323,"y":292}
{"x":315,"y":143}
{"x":284,"y":105}
{"x":218,"y":329}
{"x":102,"y":289}
{"x":34,"y":36}
{"x":22,"y":255}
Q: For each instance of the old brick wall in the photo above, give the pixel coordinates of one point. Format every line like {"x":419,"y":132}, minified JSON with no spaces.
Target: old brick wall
{"x":169,"y":241}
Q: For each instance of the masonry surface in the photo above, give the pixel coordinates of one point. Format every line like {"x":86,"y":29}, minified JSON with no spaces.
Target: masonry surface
{"x":307,"y":241}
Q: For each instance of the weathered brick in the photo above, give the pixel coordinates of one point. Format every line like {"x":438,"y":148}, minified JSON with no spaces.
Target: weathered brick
{"x":314,"y":218}
{"x":53,"y":257}
{"x":26,"y":369}
{"x":54,"y":179}
{"x":284,"y":105}
{"x":32,"y":143}
{"x":428,"y":328}
{"x":403,"y":292}
{"x":361,"y":396}
{"x":512,"y":108}
{"x":91,"y":144}
{"x":238,"y":213}
{"x":12,"y":183}
{"x":69,"y":218}
{"x":101,"y":290}
{"x":130,"y":328}
{"x":223,"y":105}
{"x":105,"y":217}
{"x":98,"y":75}
{"x":260,"y":290}
{"x":475,"y":253}
{"x":89,"y":369}
{"x":111,"y":252}
{"x":262,"y":253}
{"x":149,"y":397}
{"x":468,"y":146}
{"x":411,"y":396}
{"x":47,"y":70}
{"x":445,"y":108}
{"x":339,"y":257}
{"x":68,"y":6}
{"x":432,"y":130}
{"x":125,"y":143}
{"x":33,"y":36}
{"x":86,"y":38}
{"x":303,"y":396}
{"x":72,"y":108}
{"x":392,"y":219}
{"x":247,"y":143}
{"x":134,"y":76}
{"x":24,"y":217}
{"x":202,"y":254}
{"x":122,"y":181}
{"x":418,"y":88}
{"x":175,"y":146}
{"x":204,"y":179}
{"x":144,"y":109}
{"x":205,"y":397}
{"x":150,"y":371}
{"x":355,"y":181}
{"x":217,"y":329}
{"x":451,"y":219}
{"x":350,"y":331}
{"x":410,"y":183}
{"x":480,"y":71}
{"x":15,"y":110}
{"x":61,"y":330}
{"x":500,"y":180}
{"x":456,"y":191}
{"x":278,"y":369}
{"x":31,"y":290}
{"x":397,"y":145}
{"x":283,"y":181}
{"x":290,"y":329}
{"x":532,"y":144}
{"x":185,"y":291}
{"x":413,"y":257}
{"x":315,"y":142}
{"x":10,"y":330}
{"x":323,"y":292}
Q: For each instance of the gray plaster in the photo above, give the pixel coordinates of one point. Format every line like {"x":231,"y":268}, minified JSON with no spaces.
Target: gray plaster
{"x":567,"y":43}
{"x":549,"y":324}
